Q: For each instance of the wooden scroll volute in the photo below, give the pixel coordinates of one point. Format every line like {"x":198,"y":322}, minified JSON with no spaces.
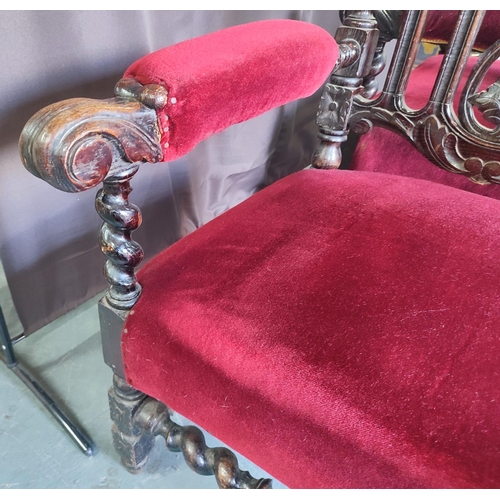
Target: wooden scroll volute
{"x":74,"y":144}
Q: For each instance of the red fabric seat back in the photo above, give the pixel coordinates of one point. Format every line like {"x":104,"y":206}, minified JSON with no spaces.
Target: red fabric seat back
{"x":441,"y":23}
{"x":382,"y":150}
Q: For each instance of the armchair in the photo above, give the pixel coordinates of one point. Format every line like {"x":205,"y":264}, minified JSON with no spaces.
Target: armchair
{"x":338,"y":328}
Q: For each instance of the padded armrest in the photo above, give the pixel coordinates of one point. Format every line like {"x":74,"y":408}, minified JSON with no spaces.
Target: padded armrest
{"x":232,"y":75}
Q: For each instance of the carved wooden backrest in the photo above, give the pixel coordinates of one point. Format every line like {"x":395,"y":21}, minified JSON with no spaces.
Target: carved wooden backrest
{"x":454,"y":141}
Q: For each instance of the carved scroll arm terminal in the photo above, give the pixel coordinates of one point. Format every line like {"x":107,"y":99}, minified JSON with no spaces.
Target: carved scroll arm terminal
{"x":77,"y":144}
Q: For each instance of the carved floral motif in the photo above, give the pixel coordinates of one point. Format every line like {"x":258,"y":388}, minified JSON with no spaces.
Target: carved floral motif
{"x":488,"y":102}
{"x":334,"y":107}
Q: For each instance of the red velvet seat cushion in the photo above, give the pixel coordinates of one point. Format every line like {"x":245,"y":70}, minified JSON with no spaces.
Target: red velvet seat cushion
{"x":340,"y":329}
{"x":441,"y":23}
{"x":232,"y":75}
{"x":381,"y":150}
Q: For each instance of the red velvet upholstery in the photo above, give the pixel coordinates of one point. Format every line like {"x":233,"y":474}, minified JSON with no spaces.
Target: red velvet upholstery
{"x":232,"y":75}
{"x":440,"y":25}
{"x":399,"y":155}
{"x":341,"y":329}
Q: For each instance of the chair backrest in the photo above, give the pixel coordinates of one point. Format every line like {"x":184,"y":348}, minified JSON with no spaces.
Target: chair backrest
{"x":454,"y":140}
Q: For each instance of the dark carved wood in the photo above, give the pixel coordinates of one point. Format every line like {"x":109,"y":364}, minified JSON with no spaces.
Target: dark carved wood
{"x":388,"y":22}
{"x":74,"y":144}
{"x":78,"y":143}
{"x":112,"y":321}
{"x":459,"y":144}
{"x":358,"y":39}
{"x":388,"y":25}
{"x":486,"y":101}
{"x":123,"y":254}
{"x":153,"y":95}
{"x":138,"y":419}
{"x":130,"y":440}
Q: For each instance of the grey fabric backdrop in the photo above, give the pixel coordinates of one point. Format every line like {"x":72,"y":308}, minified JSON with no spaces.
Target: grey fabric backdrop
{"x":48,"y":239}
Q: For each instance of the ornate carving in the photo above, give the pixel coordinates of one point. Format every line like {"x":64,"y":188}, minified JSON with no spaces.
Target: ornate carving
{"x":359,"y":28}
{"x":349,"y":52}
{"x":78,"y":143}
{"x":130,"y":441}
{"x":488,"y":102}
{"x":334,"y":107}
{"x":123,"y":254}
{"x":370,"y":85}
{"x":443,"y":147}
{"x":138,"y":419}
{"x":362,"y":120}
{"x":74,"y":144}
{"x":457,"y":144}
{"x":388,"y":24}
{"x":220,"y":461}
{"x":358,"y":37}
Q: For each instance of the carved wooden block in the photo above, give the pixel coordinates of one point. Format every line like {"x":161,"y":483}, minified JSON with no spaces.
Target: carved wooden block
{"x":132,"y":442}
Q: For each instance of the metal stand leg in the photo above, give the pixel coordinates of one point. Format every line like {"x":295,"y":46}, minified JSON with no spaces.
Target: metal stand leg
{"x":9,"y":358}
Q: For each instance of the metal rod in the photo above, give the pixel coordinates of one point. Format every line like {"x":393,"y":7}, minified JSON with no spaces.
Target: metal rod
{"x":9,"y":358}
{"x":78,"y":436}
{"x":17,"y":338}
{"x":8,"y":350}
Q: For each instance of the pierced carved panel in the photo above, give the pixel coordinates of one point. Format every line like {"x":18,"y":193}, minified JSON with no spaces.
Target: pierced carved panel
{"x":449,"y":151}
{"x":458,"y":144}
